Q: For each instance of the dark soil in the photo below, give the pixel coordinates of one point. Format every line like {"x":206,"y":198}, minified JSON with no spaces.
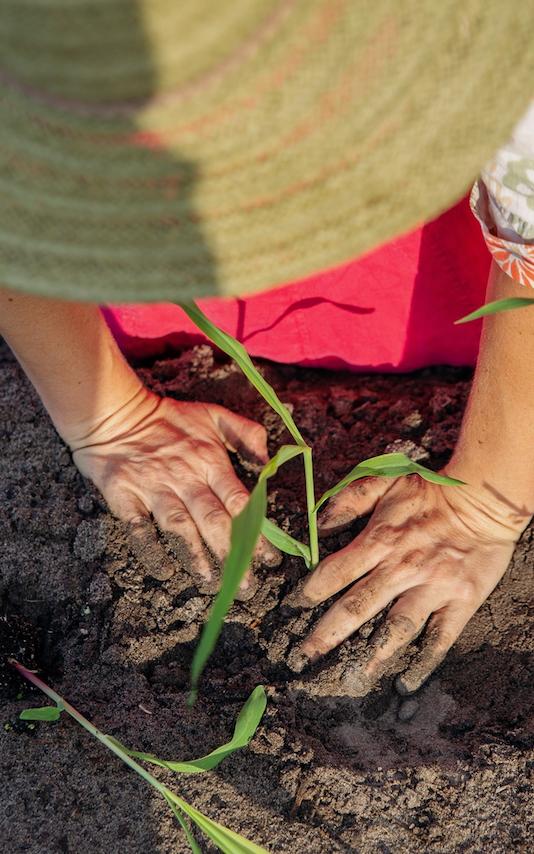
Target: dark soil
{"x":326,"y":772}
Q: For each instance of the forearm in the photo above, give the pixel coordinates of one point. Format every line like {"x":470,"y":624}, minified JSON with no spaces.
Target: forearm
{"x":495,"y":449}
{"x":70,"y":356}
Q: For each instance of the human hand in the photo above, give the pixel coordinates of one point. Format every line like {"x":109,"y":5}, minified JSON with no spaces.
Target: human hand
{"x":436,"y":552}
{"x":168,"y":460}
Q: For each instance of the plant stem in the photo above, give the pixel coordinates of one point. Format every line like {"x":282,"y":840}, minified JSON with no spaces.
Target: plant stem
{"x":225,"y":840}
{"x":100,"y":736}
{"x":310,"y":501}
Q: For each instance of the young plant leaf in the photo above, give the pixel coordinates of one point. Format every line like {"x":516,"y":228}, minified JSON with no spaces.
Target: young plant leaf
{"x":246,"y":528}
{"x":193,"y":844}
{"x":226,"y":840}
{"x":495,"y":307}
{"x":387,"y":465}
{"x":245,"y":726}
{"x":237,"y":352}
{"x":43,"y":713}
{"x":285,"y":542}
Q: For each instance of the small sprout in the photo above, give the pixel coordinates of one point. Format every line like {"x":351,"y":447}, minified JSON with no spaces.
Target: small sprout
{"x":43,"y":713}
{"x":285,"y":542}
{"x":224,"y":839}
{"x":245,"y":726}
{"x":237,"y":352}
{"x":387,"y":465}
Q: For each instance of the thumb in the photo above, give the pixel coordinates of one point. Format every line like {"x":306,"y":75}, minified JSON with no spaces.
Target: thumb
{"x":355,"y":500}
{"x":242,"y":435}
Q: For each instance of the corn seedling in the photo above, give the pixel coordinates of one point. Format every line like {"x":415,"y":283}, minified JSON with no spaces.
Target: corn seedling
{"x":246,"y":724}
{"x":247,"y":526}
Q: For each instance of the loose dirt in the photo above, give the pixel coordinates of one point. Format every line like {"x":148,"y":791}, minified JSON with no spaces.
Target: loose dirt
{"x":443,"y":771}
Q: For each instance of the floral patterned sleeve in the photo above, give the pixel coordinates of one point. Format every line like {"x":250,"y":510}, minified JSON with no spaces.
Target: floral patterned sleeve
{"x":503,"y":202}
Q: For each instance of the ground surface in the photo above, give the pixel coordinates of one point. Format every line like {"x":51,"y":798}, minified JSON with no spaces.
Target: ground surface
{"x":325,"y":772}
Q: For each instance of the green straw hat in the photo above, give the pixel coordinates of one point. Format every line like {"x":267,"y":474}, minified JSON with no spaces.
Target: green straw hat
{"x":166,"y":150}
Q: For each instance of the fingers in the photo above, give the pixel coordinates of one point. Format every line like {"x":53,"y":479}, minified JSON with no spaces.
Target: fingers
{"x":233,"y":495}
{"x":404,"y":622}
{"x":356,"y":607}
{"x":443,"y":630}
{"x":172,"y":517}
{"x":141,"y":535}
{"x":355,"y":500}
{"x":210,"y":517}
{"x":337,"y":571}
{"x":240,"y":434}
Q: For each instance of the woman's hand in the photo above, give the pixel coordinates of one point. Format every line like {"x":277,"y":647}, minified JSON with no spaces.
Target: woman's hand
{"x":151,"y":458}
{"x":436,"y":552}
{"x":167,"y":460}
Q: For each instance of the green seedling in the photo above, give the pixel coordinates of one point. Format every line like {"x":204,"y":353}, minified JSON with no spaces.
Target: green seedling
{"x":247,"y":722}
{"x":247,"y":526}
{"x":237,"y":352}
{"x":387,"y":465}
{"x":496,"y":307}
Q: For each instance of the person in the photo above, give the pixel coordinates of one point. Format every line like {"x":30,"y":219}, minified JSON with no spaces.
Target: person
{"x":432,"y":553}
{"x":435,"y":552}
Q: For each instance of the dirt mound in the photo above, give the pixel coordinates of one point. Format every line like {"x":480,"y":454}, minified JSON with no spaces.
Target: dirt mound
{"x":329,"y":770}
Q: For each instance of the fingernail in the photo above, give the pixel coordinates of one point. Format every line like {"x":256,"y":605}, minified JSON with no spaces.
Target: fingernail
{"x":297,"y":660}
{"x":161,"y":573}
{"x":269,"y":555}
{"x":356,"y":680}
{"x":247,"y":588}
{"x":404,"y":687}
{"x":297,"y":598}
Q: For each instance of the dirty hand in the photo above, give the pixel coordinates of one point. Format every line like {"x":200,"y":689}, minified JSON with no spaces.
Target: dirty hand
{"x":436,"y":552}
{"x":150,"y":457}
{"x":168,"y":460}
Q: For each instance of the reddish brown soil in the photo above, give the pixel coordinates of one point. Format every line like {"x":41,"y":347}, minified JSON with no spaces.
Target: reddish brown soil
{"x":326,"y":772}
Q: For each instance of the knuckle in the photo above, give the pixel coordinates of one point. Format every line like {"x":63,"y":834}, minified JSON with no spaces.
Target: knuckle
{"x":402,"y":626}
{"x":415,"y":559}
{"x":467,"y":590}
{"x":440,"y":643}
{"x":137,"y":523}
{"x":383,"y":532}
{"x":175,"y":518}
{"x":214,"y":515}
{"x":237,"y":498}
{"x":351,"y":603}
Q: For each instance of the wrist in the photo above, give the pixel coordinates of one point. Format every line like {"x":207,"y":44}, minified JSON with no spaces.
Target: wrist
{"x":489,"y":491}
{"x":131,"y":406}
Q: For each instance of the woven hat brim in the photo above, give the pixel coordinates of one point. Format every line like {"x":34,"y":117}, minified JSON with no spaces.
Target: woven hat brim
{"x":316,"y":131}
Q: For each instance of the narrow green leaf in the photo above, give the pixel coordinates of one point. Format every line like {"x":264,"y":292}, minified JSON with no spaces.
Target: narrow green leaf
{"x":43,"y":713}
{"x":193,"y":844}
{"x":387,"y":465}
{"x":245,"y":726}
{"x":246,"y":528}
{"x":495,"y":307}
{"x":285,"y":542}
{"x":225,"y":839}
{"x":237,"y":352}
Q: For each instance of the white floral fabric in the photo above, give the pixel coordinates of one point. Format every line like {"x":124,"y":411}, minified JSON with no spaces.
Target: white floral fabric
{"x":503,"y":202}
